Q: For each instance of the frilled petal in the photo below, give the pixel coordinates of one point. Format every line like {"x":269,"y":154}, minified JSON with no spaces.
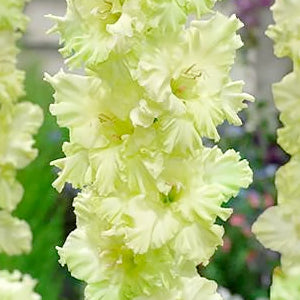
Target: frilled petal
{"x":278,"y":230}
{"x":286,"y":32}
{"x":74,"y":168}
{"x":11,"y":15}
{"x":178,"y":134}
{"x":143,"y":115}
{"x":203,"y":204}
{"x":143,"y":161}
{"x":213,"y":109}
{"x":106,"y":167}
{"x":16,"y":146}
{"x":152,"y":226}
{"x":80,"y":254}
{"x":15,"y":235}
{"x":214,"y":56}
{"x":198,"y":288}
{"x":225,"y":170}
{"x":205,"y":182}
{"x":78,"y":106}
{"x":194,"y":67}
{"x":288,"y":191}
{"x":192,"y":288}
{"x":91,"y":29}
{"x":102,"y":291}
{"x":11,"y":191}
{"x":198,"y":243}
{"x":166,"y":15}
{"x":157,"y":67}
{"x":96,"y":255}
{"x":11,"y":79}
{"x":232,"y":99}
{"x":83,"y":104}
{"x":285,"y":286}
{"x":287,"y":98}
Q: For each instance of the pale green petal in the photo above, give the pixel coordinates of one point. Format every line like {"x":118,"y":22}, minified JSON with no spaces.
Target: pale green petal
{"x":193,"y":288}
{"x":15,"y":235}
{"x":76,"y":98}
{"x":11,"y":190}
{"x":85,"y":207}
{"x":232,"y":99}
{"x":198,"y":288}
{"x":143,"y":115}
{"x":285,"y":286}
{"x":213,"y":108}
{"x":278,"y":230}
{"x":157,"y":66}
{"x":102,"y":291}
{"x":199,"y":7}
{"x":163,"y":295}
{"x":178,"y":134}
{"x":123,"y":91}
{"x":77,"y":106}
{"x":195,"y":67}
{"x":80,"y":254}
{"x":142,"y":171}
{"x":165,"y":15}
{"x":205,"y":182}
{"x":11,"y":15}
{"x":153,"y":226}
{"x":143,"y":161}
{"x":225,"y":170}
{"x":202,"y":204}
{"x":90,"y":30}
{"x":16,"y":146}
{"x":106,"y":165}
{"x":11,"y":79}
{"x":74,"y":168}
{"x":286,"y":32}
{"x":83,"y":104}
{"x":198,"y":243}
{"x":212,"y":43}
{"x":286,"y":96}
{"x":288,"y":191}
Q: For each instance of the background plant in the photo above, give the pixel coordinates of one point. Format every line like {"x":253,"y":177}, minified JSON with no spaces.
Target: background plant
{"x":278,"y":227}
{"x":249,"y":278}
{"x":18,"y":122}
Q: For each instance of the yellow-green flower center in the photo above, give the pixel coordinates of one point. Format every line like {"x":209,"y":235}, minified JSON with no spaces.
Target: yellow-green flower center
{"x":106,"y":12}
{"x":114,"y":128}
{"x":171,"y":197}
{"x":185,"y":85}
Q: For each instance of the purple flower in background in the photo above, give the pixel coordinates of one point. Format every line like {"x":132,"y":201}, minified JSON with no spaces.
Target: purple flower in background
{"x":266,"y":3}
{"x":247,"y":10}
